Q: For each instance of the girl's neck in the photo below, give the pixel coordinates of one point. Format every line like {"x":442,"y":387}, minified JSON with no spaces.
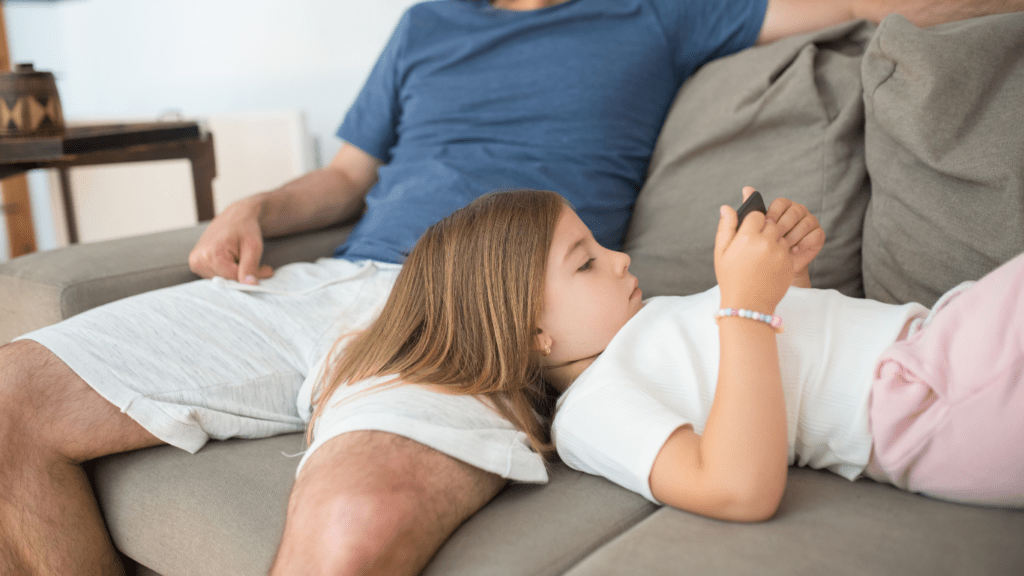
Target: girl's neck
{"x":561,"y":377}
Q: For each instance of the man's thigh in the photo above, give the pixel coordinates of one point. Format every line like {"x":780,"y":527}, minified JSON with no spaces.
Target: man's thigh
{"x":374,"y":502}
{"x":47,"y":406}
{"x":207,"y":360}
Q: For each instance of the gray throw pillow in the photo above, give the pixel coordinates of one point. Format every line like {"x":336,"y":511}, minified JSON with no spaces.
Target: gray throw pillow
{"x":786,"y":118}
{"x":944,"y":137}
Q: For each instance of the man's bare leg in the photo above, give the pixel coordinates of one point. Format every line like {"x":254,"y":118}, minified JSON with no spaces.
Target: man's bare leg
{"x":376,"y":503}
{"x":50,"y":422}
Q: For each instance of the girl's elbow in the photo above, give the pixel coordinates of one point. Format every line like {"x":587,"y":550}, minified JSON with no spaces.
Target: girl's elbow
{"x":755,"y":503}
{"x":747,"y":498}
{"x":746,"y":511}
{"x":744,"y":506}
{"x":755,"y":511}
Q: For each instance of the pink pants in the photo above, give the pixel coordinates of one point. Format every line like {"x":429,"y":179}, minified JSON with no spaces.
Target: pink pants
{"x":947,"y":403}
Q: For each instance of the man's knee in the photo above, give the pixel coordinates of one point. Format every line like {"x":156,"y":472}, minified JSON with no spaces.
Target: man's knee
{"x":351,"y":531}
{"x":374,"y":503}
{"x":362,"y":534}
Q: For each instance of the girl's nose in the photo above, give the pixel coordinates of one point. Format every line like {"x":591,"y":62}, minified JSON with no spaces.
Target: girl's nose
{"x":624,"y":262}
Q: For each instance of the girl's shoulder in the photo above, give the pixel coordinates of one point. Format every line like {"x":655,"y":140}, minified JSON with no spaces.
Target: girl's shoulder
{"x":652,"y":333}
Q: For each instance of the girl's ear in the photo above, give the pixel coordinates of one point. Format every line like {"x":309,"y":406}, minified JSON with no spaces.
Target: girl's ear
{"x":544,"y":342}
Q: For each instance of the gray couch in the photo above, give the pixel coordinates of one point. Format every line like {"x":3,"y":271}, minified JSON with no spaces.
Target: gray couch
{"x":909,"y":146}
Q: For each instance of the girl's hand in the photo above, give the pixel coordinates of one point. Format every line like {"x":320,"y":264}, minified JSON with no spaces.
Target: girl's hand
{"x":753,"y":265}
{"x":803,"y":234}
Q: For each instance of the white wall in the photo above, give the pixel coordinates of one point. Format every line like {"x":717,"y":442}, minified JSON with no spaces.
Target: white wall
{"x":140,"y":59}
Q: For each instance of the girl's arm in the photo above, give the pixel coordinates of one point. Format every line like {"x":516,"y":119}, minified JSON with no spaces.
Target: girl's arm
{"x":736,"y":470}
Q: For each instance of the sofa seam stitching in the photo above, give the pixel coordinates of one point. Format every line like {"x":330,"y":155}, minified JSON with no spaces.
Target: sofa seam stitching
{"x":65,"y":289}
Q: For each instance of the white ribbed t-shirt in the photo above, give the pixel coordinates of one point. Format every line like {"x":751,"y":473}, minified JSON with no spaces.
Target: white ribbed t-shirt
{"x":661,"y":369}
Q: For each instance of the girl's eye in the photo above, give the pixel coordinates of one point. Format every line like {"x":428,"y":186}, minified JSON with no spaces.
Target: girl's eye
{"x":587,"y":265}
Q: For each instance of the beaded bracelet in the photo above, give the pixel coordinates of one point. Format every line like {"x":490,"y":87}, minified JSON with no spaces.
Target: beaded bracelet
{"x":773,"y":321}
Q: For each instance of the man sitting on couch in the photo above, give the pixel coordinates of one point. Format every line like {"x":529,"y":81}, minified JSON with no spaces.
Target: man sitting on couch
{"x":468,"y":96}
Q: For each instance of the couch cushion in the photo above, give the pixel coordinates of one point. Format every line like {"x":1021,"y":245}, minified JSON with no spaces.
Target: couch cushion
{"x":785,"y":118}
{"x":826,"y":525}
{"x":944,"y":136}
{"x":43,"y":288}
{"x":221,"y":511}
{"x":532,"y":530}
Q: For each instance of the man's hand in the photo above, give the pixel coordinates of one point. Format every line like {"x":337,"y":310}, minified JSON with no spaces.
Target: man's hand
{"x":232,"y":245}
{"x":800,"y":229}
{"x":786,"y":18}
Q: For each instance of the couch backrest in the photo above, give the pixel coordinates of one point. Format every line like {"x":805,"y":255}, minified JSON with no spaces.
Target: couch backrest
{"x":789,"y":119}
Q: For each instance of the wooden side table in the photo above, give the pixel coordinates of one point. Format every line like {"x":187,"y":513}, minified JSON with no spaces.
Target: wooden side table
{"x":115,"y":143}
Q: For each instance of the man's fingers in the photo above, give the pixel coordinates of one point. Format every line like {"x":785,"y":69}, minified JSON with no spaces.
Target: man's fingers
{"x":208,"y":264}
{"x":264,"y":272}
{"x":197,"y":264}
{"x":249,"y":262}
{"x":747,"y":191}
{"x":224,"y":264}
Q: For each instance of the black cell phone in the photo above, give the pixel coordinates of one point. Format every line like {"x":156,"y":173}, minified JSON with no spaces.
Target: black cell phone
{"x":753,"y":203}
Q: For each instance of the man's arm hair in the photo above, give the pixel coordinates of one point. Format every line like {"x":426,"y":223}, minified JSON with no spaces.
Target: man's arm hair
{"x":789,"y":17}
{"x":327,"y":196}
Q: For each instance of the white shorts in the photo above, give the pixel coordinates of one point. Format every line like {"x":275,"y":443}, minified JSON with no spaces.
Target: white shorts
{"x":218,"y":359}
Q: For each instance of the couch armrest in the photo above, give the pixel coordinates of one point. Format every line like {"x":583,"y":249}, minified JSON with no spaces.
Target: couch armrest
{"x":43,"y":288}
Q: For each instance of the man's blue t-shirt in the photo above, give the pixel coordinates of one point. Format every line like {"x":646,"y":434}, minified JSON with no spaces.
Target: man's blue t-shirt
{"x":467,"y":99}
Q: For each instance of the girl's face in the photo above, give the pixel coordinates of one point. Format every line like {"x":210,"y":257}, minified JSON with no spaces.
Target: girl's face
{"x":589,"y":293}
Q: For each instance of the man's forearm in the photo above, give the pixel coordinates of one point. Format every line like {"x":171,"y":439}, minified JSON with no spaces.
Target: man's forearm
{"x":931,"y":12}
{"x":789,"y":17}
{"x":314,"y":200}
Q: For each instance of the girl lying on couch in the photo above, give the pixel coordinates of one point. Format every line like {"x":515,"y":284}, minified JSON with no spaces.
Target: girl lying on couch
{"x":702,"y":402}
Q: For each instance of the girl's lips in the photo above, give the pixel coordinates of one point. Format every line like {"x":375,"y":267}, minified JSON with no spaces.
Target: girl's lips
{"x":636,"y":289}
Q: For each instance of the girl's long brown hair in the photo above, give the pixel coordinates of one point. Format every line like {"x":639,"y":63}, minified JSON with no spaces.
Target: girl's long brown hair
{"x":463,"y":313}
